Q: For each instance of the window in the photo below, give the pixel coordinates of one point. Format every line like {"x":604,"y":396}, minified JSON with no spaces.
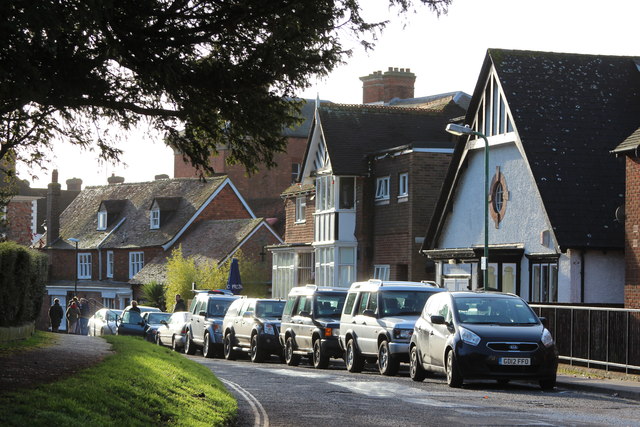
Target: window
{"x":155,"y":219}
{"x":498,"y":196}
{"x":324,"y":266}
{"x":136,"y":262}
{"x":324,"y":193}
{"x":295,"y":171}
{"x":544,"y":282}
{"x":109,"y":303}
{"x":346,"y":266}
{"x":102,"y":220}
{"x":382,"y":188}
{"x":110,"y":264}
{"x":84,"y":266}
{"x":347,"y":193}
{"x":381,"y":272}
{"x":301,"y":207}
{"x":403,"y":185}
{"x":493,"y":117}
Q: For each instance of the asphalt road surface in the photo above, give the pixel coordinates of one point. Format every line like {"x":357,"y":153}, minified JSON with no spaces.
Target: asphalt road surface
{"x":274,"y":394}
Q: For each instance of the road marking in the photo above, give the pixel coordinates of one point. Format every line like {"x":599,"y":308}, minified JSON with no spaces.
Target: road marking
{"x":261,"y":419}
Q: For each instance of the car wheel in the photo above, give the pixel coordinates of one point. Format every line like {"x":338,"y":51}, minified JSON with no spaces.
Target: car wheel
{"x":388,"y":364}
{"x":229,"y":352}
{"x":353,"y":360}
{"x":416,"y":371}
{"x":290,"y":358}
{"x":103,"y":332}
{"x":548,"y":383}
{"x":189,"y":346}
{"x":207,"y":348}
{"x":320,"y":358}
{"x":454,"y":379}
{"x":158,"y":341}
{"x":173,"y":343}
{"x":255,"y":352}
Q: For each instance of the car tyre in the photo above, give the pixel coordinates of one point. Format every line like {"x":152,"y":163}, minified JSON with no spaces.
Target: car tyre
{"x":256,"y":354}
{"x":454,"y":379}
{"x":548,"y":383}
{"x":229,"y":352}
{"x":353,"y":360}
{"x":388,"y":364}
{"x":290,"y":358}
{"x":189,"y":346}
{"x":173,"y":344}
{"x":158,"y":340}
{"x":416,"y":371}
{"x":207,"y":347}
{"x":320,"y":358}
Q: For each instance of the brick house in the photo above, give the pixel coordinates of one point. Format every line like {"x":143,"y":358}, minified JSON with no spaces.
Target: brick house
{"x":122,"y":227}
{"x":550,"y":120}
{"x":370,"y":176}
{"x":630,"y":214}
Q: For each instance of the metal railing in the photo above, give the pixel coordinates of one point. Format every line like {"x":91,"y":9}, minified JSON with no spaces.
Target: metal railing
{"x":595,"y":336}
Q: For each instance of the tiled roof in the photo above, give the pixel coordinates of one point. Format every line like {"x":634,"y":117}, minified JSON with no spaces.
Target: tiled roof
{"x":629,"y":144}
{"x":212,"y":240}
{"x":131,"y":227}
{"x":352,"y":132}
{"x":299,"y":189}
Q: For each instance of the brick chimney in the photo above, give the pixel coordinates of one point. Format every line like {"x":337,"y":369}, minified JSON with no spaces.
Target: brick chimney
{"x":161,"y":176}
{"x":383,"y":87}
{"x":53,"y":209}
{"x":74,"y":184}
{"x":113,"y":179}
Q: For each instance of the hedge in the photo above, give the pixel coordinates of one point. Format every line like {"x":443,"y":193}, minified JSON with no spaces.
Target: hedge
{"x":23,"y":278}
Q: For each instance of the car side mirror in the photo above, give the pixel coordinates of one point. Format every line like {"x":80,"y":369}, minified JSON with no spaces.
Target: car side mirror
{"x":248,"y":314}
{"x":544,"y":321}
{"x":437,"y":319}
{"x":164,"y":322}
{"x":369,"y":313}
{"x":202,"y":313}
{"x":305,"y":314}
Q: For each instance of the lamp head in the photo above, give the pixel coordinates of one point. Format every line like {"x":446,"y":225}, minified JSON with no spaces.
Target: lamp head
{"x":459,"y":129}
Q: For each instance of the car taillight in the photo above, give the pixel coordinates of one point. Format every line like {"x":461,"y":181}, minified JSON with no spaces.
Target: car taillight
{"x":184,"y":329}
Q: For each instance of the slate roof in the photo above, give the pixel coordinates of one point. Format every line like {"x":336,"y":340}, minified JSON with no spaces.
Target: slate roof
{"x":569,"y":111}
{"x":131,"y":227}
{"x":212,"y":240}
{"x":433,"y":101}
{"x":629,"y":144}
{"x":306,"y":113}
{"x":353,"y":132}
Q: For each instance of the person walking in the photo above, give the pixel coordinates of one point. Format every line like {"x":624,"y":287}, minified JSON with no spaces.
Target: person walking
{"x":180,"y":305}
{"x":73,"y":314}
{"x":55,"y":315}
{"x":85,"y":313}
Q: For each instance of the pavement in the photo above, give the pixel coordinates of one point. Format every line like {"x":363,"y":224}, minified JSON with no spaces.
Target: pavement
{"x":628,"y":389}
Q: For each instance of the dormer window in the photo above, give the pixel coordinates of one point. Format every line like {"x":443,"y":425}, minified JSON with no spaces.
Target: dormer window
{"x":102,"y":220}
{"x":109,"y":211}
{"x":155,"y":219}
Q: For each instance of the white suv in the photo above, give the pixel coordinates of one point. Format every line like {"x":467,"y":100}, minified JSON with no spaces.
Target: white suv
{"x":377,"y":322}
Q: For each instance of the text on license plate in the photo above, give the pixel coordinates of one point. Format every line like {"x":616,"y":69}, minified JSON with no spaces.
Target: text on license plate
{"x":515,"y":361}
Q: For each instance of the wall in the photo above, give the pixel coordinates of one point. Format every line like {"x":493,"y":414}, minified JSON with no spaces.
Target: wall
{"x":225,"y":205}
{"x":632,"y":233}
{"x":299,"y":232}
{"x":20,"y":222}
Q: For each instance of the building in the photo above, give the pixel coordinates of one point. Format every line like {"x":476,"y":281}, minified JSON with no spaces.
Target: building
{"x":550,"y":120}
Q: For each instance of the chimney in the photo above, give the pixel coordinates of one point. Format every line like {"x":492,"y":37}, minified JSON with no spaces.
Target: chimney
{"x":161,"y":176}
{"x":53,"y":209}
{"x":113,"y":179}
{"x":383,"y":87}
{"x":74,"y":184}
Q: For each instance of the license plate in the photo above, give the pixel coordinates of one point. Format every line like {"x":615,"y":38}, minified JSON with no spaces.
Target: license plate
{"x":515,"y":361}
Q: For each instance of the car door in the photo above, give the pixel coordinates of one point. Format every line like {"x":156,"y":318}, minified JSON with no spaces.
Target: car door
{"x":365,"y":323}
{"x":424,"y":328}
{"x":244,"y":323}
{"x":439,"y":334}
{"x":302,"y":322}
{"x":197,"y":320}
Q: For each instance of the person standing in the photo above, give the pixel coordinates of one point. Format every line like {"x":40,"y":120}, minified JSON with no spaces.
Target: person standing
{"x":85,"y":313}
{"x":55,"y":315}
{"x":73,"y":314}
{"x":134,"y":306}
{"x":180,"y":305}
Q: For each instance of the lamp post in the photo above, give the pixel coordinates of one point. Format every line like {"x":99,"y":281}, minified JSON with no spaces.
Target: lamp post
{"x":460,"y":130}
{"x":75,"y":286}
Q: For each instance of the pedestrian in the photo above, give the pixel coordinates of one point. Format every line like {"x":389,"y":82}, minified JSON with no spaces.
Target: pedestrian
{"x":134,"y":306}
{"x":180,"y":305}
{"x":73,"y":314}
{"x":55,"y":315}
{"x":85,"y":313}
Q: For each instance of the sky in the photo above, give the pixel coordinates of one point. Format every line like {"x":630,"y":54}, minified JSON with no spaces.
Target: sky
{"x":445,"y":53}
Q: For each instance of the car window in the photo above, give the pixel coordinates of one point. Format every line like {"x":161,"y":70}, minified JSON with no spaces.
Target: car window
{"x":235,"y":307}
{"x":131,"y":317}
{"x":364,"y":300}
{"x":269,"y":309}
{"x":218,"y":307}
{"x":155,"y":318}
{"x":403,"y":303}
{"x":304,"y":304}
{"x":495,"y":310}
{"x":198,"y":307}
{"x":249,"y":307}
{"x":329,"y":305}
{"x":288,"y":308}
{"x":348,"y":306}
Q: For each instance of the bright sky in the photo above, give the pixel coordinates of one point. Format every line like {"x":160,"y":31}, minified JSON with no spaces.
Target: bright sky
{"x":445,"y":54}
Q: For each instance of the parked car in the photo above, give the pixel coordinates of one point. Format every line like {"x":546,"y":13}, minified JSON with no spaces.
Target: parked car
{"x":153,"y":320}
{"x":173,"y":331}
{"x":103,"y":322}
{"x":487,"y":335}
{"x":310,"y":324}
{"x":131,"y":322}
{"x":377,"y":322}
{"x":252,"y":325}
{"x":204,"y":329}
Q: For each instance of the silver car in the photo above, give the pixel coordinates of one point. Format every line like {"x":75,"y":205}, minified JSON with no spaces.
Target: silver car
{"x":103,"y":322}
{"x":172,"y":332}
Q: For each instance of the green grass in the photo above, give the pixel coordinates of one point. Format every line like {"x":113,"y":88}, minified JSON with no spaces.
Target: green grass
{"x":140,"y":385}
{"x":38,"y":339}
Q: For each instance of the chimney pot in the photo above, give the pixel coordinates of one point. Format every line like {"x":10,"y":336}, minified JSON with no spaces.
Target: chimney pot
{"x":74,"y":184}
{"x":54,"y":176}
{"x":161,"y":176}
{"x":113,"y":179}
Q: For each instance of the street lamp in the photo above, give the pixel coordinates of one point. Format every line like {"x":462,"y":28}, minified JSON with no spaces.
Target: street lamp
{"x":460,"y":130}
{"x":75,"y":287}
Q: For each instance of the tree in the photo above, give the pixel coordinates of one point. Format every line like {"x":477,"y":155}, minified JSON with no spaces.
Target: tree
{"x":204,"y":72}
{"x":154,"y":295}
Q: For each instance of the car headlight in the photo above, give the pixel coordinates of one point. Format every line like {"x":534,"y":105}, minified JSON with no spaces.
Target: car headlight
{"x":331,"y":332}
{"x":268,"y":329}
{"x":546,"y":338}
{"x":402,"y":334}
{"x":469,"y":337}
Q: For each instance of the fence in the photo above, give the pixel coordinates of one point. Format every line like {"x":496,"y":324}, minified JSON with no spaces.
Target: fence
{"x":598,"y":336}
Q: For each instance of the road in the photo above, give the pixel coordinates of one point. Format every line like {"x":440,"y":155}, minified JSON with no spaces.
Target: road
{"x":274,"y":394}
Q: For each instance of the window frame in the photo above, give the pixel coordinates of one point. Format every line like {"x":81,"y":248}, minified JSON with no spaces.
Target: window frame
{"x":301,"y":210}
{"x":102,"y":220}
{"x":382,"y":188}
{"x":154,"y":219}
{"x":403,"y":185}
{"x":385,"y":269}
{"x":84,"y":265}
{"x":110,"y":264}
{"x":135,"y":265}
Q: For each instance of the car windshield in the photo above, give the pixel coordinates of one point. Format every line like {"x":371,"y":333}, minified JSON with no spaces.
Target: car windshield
{"x":155,"y":318}
{"x":131,"y":317}
{"x":494,"y":310}
{"x":218,"y":307}
{"x":329,"y":305}
{"x":403,"y":303}
{"x":269,"y":309}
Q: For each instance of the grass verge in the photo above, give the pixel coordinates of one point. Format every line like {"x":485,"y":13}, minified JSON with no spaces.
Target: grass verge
{"x":38,"y":339}
{"x":140,"y":385}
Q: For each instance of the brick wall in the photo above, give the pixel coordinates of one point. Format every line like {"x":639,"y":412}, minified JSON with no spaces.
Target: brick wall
{"x":299,"y":232}
{"x":632,"y":233}
{"x":19,"y":222}
{"x":225,"y":205}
